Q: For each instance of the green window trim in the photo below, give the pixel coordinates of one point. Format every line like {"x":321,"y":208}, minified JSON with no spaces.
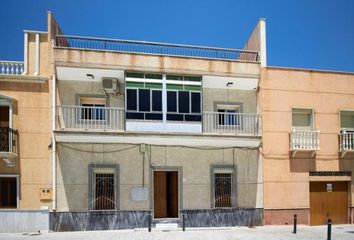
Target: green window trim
{"x":135,"y":84}
{"x":192,"y":88}
{"x":153,"y":85}
{"x":174,"y":87}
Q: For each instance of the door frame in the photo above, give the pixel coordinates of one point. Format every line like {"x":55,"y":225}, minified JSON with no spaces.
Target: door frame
{"x":17,"y":176}
{"x":179,"y":171}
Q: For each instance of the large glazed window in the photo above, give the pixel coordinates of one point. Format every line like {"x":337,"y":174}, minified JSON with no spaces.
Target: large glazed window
{"x":144,"y":97}
{"x":103,"y":187}
{"x":8,"y":192}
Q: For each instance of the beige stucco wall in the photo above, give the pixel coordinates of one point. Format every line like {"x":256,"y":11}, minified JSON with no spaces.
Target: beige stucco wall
{"x":281,"y":90}
{"x":31,"y":117}
{"x":73,"y":161}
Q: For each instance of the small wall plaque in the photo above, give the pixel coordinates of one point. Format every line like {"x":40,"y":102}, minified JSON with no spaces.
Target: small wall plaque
{"x":329,"y":187}
{"x":139,"y":194}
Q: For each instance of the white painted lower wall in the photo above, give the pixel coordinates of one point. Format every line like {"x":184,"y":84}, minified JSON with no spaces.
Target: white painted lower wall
{"x":146,"y":126}
{"x":20,"y":221}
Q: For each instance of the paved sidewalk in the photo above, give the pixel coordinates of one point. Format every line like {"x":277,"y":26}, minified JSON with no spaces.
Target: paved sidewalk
{"x":339,"y":232}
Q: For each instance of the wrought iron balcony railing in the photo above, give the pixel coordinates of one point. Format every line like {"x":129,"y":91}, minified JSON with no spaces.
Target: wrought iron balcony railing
{"x":8,"y":140}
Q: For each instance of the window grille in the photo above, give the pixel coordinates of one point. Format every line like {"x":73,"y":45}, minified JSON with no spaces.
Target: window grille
{"x":223,"y":187}
{"x":103,"y":188}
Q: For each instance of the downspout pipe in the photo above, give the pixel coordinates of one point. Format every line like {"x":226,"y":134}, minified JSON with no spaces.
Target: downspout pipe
{"x":53,"y":153}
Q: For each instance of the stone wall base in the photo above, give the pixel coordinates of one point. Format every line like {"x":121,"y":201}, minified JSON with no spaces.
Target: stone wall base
{"x":286,"y":216}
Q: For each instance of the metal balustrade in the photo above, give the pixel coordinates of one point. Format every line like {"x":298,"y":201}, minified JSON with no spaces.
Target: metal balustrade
{"x":91,"y":118}
{"x":118,"y":45}
{"x":305,"y":140}
{"x":231,"y":123}
{"x":8,"y":140}
{"x":346,"y":141}
{"x":11,"y":67}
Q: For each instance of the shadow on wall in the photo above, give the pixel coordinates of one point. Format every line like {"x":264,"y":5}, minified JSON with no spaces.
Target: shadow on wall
{"x":25,"y":87}
{"x":247,"y":171}
{"x":72,"y":177}
{"x":302,"y":163}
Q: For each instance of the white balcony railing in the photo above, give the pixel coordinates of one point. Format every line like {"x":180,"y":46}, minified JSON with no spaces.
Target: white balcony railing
{"x":231,"y":123}
{"x":308,"y":140}
{"x":11,"y":67}
{"x":91,"y":118}
{"x":346,"y":141}
{"x":109,"y":118}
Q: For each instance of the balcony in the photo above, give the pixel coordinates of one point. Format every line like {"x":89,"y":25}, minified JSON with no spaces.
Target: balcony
{"x":346,"y":142}
{"x":91,"y":118}
{"x":11,"y":68}
{"x":231,"y":123}
{"x":82,"y":118}
{"x":304,"y":141}
{"x":8,"y":145}
{"x":155,"y":48}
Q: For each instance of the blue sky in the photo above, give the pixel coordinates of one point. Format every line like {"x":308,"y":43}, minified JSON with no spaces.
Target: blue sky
{"x":300,"y":33}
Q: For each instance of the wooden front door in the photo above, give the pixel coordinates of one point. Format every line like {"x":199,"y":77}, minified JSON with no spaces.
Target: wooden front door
{"x":328,"y":200}
{"x":165,"y":194}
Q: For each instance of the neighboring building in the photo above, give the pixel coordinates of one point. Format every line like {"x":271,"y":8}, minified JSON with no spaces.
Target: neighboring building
{"x":308,"y":154}
{"x":156,"y":128}
{"x":25,"y":137}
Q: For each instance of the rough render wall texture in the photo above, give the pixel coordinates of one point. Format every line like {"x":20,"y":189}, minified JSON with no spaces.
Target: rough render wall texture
{"x":73,"y":161}
{"x":99,"y":59}
{"x":69,"y":90}
{"x":326,"y":93}
{"x":32,"y":118}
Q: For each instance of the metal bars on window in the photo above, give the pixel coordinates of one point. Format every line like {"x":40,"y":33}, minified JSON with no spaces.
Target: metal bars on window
{"x":104,"y":197}
{"x":222,"y":189}
{"x":103,"y":187}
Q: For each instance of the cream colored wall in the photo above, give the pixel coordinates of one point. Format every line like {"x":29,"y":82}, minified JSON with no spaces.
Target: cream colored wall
{"x":281,"y":90}
{"x":73,"y":161}
{"x":247,"y":98}
{"x":31,"y":117}
{"x":44,"y":55}
{"x":151,"y":63}
{"x":68,"y":90}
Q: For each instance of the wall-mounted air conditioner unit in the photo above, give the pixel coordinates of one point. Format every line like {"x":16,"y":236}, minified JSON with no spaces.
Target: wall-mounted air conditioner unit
{"x":110,"y":86}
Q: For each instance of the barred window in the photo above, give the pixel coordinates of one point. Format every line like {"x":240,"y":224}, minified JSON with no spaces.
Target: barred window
{"x":103,"y":188}
{"x":223,"y":192}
